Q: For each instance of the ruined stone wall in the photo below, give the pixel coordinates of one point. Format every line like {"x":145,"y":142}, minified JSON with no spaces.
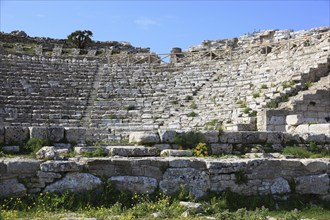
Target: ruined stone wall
{"x":277,"y":177}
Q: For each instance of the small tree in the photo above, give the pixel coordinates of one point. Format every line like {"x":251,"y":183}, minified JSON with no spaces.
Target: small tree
{"x":80,"y":38}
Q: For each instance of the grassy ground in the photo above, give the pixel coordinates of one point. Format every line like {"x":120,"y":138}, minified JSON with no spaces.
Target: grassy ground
{"x":112,"y":204}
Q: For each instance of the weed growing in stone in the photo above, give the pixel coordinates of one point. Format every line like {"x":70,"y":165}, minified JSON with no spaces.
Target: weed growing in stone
{"x":189,"y":140}
{"x":33,"y":145}
{"x":201,"y":150}
{"x":192,"y":114}
{"x":241,"y":177}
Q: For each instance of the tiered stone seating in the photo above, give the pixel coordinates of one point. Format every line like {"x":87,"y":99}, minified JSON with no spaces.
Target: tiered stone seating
{"x":38,"y":91}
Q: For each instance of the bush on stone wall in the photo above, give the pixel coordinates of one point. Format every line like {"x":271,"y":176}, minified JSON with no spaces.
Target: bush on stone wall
{"x":189,"y":140}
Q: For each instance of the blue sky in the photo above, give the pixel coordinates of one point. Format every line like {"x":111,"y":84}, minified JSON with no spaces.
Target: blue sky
{"x":160,"y":25}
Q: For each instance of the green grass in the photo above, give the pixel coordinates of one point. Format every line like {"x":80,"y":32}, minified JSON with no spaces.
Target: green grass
{"x":110,"y":203}
{"x":311,"y":151}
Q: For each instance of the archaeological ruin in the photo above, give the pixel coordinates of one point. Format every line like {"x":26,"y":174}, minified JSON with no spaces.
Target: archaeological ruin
{"x":247,"y":98}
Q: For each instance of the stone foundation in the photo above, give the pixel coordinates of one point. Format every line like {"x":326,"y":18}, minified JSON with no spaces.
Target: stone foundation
{"x":144,"y":175}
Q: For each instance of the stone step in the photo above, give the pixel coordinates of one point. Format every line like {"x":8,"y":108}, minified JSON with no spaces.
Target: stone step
{"x":123,"y":151}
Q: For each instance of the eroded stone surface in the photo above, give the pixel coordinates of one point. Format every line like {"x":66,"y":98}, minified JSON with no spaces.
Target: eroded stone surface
{"x":138,"y":184}
{"x":144,"y":138}
{"x":60,"y":166}
{"x":314,"y":184}
{"x":75,"y":182}
{"x":11,"y":188}
{"x":195,"y":181}
{"x":280,"y":186}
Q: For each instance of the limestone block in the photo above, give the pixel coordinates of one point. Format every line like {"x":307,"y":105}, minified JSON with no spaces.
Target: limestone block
{"x":302,"y":129}
{"x":275,"y":137}
{"x":211,"y":136}
{"x":167,"y":136}
{"x":12,"y":149}
{"x":60,"y":166}
{"x":55,"y":134}
{"x":76,"y":183}
{"x":16,"y":135}
{"x":231,"y":137}
{"x":307,"y":184}
{"x":144,"y":138}
{"x":21,"y":166}
{"x":315,"y":166}
{"x":294,"y":120}
{"x":176,"y":153}
{"x":2,"y":135}
{"x":11,"y":188}
{"x":218,"y":149}
{"x":46,"y":153}
{"x":195,"y":181}
{"x":320,"y":129}
{"x":280,"y":186}
{"x":135,"y":184}
{"x":75,"y":135}
{"x":318,"y":138}
{"x":133,"y":151}
{"x":38,"y":132}
{"x":81,"y":150}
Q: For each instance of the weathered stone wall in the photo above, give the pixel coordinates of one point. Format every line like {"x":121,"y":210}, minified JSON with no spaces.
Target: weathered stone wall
{"x":277,"y":177}
{"x":220,"y":142}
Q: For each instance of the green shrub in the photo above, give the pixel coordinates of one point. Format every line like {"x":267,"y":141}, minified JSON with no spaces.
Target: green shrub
{"x":192,"y":114}
{"x":272,"y":104}
{"x":201,"y":150}
{"x":33,"y":145}
{"x":189,"y":140}
{"x":264,"y":86}
{"x":256,"y":94}
{"x":307,"y":85}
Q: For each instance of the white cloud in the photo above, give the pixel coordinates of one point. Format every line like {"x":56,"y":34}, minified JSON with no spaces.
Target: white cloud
{"x":145,"y":23}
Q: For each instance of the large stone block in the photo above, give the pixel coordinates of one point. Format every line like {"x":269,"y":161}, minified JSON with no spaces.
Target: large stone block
{"x":133,"y":151}
{"x":195,"y":181}
{"x":320,"y":129}
{"x":211,"y":136}
{"x":76,"y":183}
{"x":218,"y":149}
{"x":167,"y":136}
{"x":11,"y":188}
{"x":135,"y":184}
{"x":60,"y":166}
{"x":231,"y":137}
{"x":21,"y":166}
{"x":144,"y":138}
{"x":75,"y":135}
{"x":55,"y":134}
{"x":176,"y":153}
{"x":16,"y":135}
{"x":314,"y":184}
{"x":38,"y":132}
